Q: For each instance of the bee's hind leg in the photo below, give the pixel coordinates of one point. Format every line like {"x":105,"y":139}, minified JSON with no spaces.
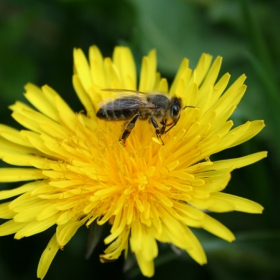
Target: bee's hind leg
{"x":128,"y":128}
{"x":158,"y":132}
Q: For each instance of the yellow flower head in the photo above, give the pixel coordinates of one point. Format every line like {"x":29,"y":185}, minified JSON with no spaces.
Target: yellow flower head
{"x":79,"y":172}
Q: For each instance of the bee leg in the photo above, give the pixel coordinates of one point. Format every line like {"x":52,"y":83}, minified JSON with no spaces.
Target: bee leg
{"x":128,"y":128}
{"x":158,"y":132}
{"x":171,"y":126}
{"x":162,"y":130}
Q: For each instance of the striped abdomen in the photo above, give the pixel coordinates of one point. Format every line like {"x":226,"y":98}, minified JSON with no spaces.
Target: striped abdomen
{"x":116,"y":115}
{"x":119,"y":110}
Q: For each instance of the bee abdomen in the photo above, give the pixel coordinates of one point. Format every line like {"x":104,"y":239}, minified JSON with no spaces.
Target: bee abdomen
{"x":114,"y":115}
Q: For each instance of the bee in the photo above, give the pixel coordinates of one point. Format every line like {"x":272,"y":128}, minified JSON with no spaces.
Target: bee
{"x":159,"y":109}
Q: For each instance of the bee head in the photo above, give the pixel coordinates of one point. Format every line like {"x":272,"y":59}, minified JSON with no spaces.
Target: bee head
{"x":175,"y":109}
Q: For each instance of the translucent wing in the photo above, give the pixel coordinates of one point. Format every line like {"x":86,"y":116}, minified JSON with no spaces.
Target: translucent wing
{"x":127,"y":99}
{"x":132,"y":102}
{"x":126,"y":92}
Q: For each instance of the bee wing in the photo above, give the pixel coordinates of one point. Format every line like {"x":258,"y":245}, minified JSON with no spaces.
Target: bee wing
{"x":129,"y":102}
{"x":127,"y":91}
{"x":125,"y":99}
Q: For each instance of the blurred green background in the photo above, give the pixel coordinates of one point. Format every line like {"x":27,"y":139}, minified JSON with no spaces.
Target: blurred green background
{"x":36,"y":45}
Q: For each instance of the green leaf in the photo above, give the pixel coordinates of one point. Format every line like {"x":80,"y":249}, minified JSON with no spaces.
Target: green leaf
{"x":179,"y":29}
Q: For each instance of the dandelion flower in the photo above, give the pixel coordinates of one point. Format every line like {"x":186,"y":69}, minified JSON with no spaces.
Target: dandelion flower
{"x":77,"y":172}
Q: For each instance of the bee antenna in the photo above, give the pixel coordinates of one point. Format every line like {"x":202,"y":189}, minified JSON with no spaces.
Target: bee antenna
{"x":188,"y":107}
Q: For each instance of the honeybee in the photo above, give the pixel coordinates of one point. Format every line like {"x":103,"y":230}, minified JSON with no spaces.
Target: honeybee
{"x":154,"y":107}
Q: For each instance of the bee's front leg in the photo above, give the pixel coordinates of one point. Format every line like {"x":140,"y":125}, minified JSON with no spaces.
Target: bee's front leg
{"x":128,"y":128}
{"x":162,"y":130}
{"x":158,"y":131}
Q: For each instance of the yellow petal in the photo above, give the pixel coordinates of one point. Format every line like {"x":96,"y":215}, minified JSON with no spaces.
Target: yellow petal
{"x":83,"y":96}
{"x":232,"y":96}
{"x":148,"y":72}
{"x":183,"y":73}
{"x":5,"y":212}
{"x":13,"y":135}
{"x":207,"y":87}
{"x":254,"y":128}
{"x":97,"y":67}
{"x":123,"y":59}
{"x":20,"y":174}
{"x":219,"y":88}
{"x":10,"y":227}
{"x":83,"y":69}
{"x":36,"y":141}
{"x":217,"y":228}
{"x":39,"y":100}
{"x":35,"y":227}
{"x":202,"y":68}
{"x":27,"y":160}
{"x":239,"y":203}
{"x":147,"y":267}
{"x":29,"y":214}
{"x":67,"y":116}
{"x":7,"y":147}
{"x":65,"y":232}
{"x":211,"y":77}
{"x":47,"y":257}
{"x":196,"y":251}
{"x":236,"y":162}
{"x":112,"y":74}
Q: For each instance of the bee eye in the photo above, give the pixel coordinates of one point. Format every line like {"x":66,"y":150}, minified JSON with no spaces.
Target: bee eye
{"x":175,"y":110}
